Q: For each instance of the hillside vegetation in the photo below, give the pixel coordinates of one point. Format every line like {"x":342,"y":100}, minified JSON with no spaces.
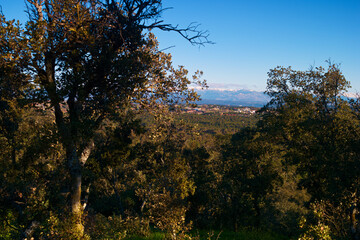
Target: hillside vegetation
{"x":96,"y":144}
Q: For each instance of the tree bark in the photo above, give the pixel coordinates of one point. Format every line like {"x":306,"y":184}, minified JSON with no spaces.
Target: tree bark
{"x":75,"y":170}
{"x":13,"y":151}
{"x":76,"y":178}
{"x":355,"y":226}
{"x":74,"y":164}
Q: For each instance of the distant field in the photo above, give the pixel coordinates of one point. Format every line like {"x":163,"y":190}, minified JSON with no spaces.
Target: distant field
{"x":217,"y":123}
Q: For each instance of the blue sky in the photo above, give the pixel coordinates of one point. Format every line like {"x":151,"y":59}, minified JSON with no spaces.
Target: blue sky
{"x":254,"y":36}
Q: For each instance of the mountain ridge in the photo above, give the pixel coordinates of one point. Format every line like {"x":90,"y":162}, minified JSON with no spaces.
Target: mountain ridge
{"x":232,"y":97}
{"x":242,"y":97}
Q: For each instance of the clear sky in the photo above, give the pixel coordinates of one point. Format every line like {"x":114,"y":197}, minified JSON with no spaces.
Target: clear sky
{"x":254,"y":36}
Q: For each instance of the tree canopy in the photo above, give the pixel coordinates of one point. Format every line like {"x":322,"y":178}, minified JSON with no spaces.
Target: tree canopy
{"x":90,"y":61}
{"x":91,"y":149}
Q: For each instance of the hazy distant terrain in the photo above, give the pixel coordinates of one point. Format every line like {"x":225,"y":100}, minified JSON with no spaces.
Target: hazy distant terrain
{"x":240,"y":97}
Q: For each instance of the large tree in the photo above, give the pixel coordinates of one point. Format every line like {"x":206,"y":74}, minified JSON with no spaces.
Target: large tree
{"x":318,"y":132}
{"x":89,"y":60}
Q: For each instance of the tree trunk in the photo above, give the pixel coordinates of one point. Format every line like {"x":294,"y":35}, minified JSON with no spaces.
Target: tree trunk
{"x":13,"y":152}
{"x":355,"y":226}
{"x":75,"y":192}
{"x":75,"y":159}
{"x":257,"y":211}
{"x":76,"y":179}
{"x":75,"y":165}
{"x":73,"y":162}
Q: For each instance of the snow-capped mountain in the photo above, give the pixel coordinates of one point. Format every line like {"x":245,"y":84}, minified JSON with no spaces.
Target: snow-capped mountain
{"x":240,"y":97}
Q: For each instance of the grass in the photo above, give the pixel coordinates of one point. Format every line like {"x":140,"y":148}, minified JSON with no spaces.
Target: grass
{"x":241,"y":235}
{"x":153,"y":236}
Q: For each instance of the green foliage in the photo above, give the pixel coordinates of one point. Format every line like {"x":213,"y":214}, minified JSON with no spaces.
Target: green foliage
{"x":93,"y":147}
{"x":90,"y":62}
{"x":8,"y":228}
{"x":63,"y":226}
{"x":318,"y":229}
{"x":316,"y":130}
{"x":114,"y":227}
{"x":165,"y":179}
{"x":152,"y":236}
{"x":219,"y":235}
{"x":218,"y":124}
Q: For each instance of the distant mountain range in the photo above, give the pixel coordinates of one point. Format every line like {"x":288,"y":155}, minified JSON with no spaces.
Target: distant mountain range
{"x":231,"y":97}
{"x":242,"y":97}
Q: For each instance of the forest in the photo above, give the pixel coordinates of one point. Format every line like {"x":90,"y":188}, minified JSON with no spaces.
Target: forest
{"x":94,"y":144}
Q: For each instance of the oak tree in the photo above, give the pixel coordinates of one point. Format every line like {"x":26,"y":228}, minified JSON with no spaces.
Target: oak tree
{"x":89,"y":60}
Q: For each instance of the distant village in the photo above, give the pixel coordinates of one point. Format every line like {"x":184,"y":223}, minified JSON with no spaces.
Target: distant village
{"x":219,"y":109}
{"x":199,"y":109}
